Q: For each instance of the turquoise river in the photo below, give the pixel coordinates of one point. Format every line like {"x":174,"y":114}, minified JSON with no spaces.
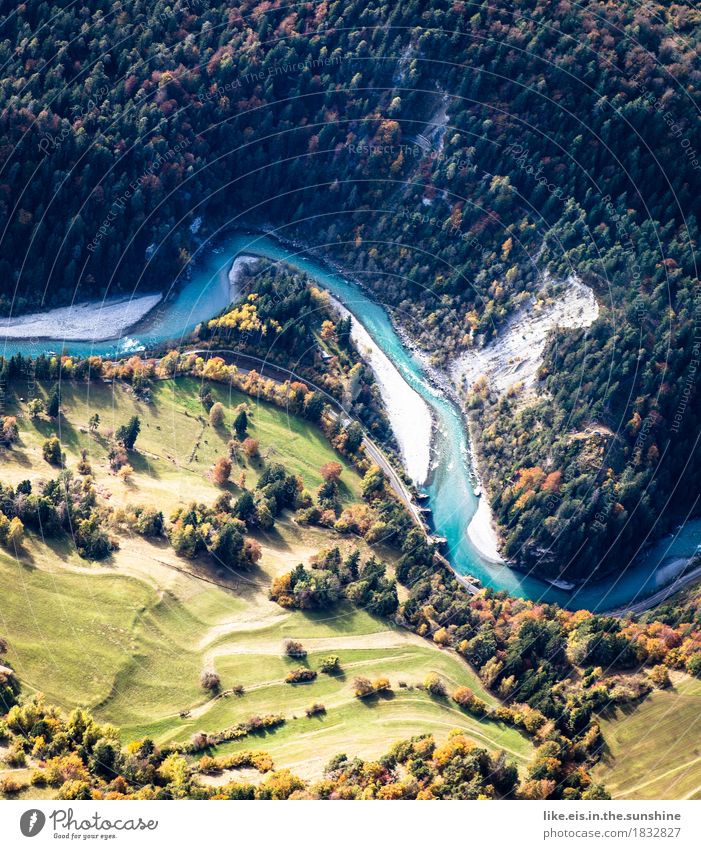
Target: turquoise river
{"x":450,"y":490}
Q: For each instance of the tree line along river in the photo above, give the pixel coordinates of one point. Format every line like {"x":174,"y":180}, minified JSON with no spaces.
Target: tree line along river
{"x":450,"y":488}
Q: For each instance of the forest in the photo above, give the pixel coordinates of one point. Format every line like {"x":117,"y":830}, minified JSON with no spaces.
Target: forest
{"x":133,"y":135}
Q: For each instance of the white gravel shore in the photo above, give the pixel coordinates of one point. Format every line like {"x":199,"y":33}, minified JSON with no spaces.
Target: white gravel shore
{"x":482,"y":533}
{"x":409,"y":414}
{"x":515,"y":357}
{"x":96,"y":321}
{"x":517,"y":352}
{"x":237,"y":266}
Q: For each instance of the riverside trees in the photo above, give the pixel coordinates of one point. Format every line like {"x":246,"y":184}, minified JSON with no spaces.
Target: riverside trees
{"x":203,"y":102}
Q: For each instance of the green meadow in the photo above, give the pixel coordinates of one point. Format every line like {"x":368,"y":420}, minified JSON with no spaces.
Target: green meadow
{"x":654,"y":747}
{"x":129,"y":637}
{"x":177,"y":446}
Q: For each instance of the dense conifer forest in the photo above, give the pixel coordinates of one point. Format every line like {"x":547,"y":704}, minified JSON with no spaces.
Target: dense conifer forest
{"x":447,"y":153}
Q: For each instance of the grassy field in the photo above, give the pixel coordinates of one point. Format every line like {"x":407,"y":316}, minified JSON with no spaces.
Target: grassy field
{"x":654,"y":749}
{"x":129,"y":637}
{"x":177,"y":446}
{"x":129,"y":640}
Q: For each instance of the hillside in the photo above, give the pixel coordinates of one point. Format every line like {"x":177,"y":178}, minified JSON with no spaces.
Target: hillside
{"x":129,"y":637}
{"x":222,"y":583}
{"x":653,"y":750}
{"x":449,"y":188}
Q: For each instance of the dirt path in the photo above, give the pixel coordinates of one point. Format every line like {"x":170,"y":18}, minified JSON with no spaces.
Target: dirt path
{"x":379,"y":640}
{"x":629,"y":790}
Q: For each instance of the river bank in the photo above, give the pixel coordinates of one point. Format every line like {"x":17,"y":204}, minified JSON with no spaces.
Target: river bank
{"x":412,"y":419}
{"x":452,"y":481}
{"x":516,"y":353}
{"x":97,"y":321}
{"x":238,"y":266}
{"x":409,"y":415}
{"x":482,"y":532}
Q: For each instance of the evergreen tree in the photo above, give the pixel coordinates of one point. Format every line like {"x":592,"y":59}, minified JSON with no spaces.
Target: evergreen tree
{"x":241,"y":424}
{"x":54,"y":406}
{"x":127,"y":434}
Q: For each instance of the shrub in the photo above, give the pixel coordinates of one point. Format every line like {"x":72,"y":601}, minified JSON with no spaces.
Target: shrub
{"x":331,"y":471}
{"x":83,"y":466}
{"x":15,"y":533}
{"x":330,"y":665}
{"x":264,"y":516}
{"x":467,"y":700}
{"x":693,"y":665}
{"x":148,"y":522}
{"x":117,"y":457}
{"x":38,"y":778}
{"x":216,"y":414}
{"x":659,"y":675}
{"x":300,"y":676}
{"x":11,"y":786}
{"x":362,"y":687}
{"x":4,"y":528}
{"x":251,"y":447}
{"x":35,"y":408}
{"x":126,"y":472}
{"x":315,"y":710}
{"x":16,"y":757}
{"x":309,"y":516}
{"x":208,"y":765}
{"x":210,"y":680}
{"x":78,"y":790}
{"x":221,"y":471}
{"x":51,"y":449}
{"x":293,"y":648}
{"x":9,"y":432}
{"x":434,"y":686}
{"x":463,"y":696}
{"x":90,"y":539}
{"x":252,"y":550}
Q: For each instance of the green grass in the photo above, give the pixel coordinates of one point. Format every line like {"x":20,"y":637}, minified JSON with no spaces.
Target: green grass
{"x":68,"y":632}
{"x":177,"y":446}
{"x":654,"y":748}
{"x":129,"y":637}
{"x":368,"y":729}
{"x":130,"y":640}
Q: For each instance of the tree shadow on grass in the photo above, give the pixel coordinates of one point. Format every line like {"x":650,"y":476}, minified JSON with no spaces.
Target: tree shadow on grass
{"x":22,"y":556}
{"x":336,"y":675}
{"x":59,"y":427}
{"x":18,"y":458}
{"x":615,"y":711}
{"x":375,"y":699}
{"x":142,"y":465}
{"x":345,"y":493}
{"x":273,"y":538}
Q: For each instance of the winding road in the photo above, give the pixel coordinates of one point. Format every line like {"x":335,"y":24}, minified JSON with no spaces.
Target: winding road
{"x":661,"y":595}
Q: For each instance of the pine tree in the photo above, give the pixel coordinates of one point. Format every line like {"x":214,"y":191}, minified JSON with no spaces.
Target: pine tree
{"x":126,"y":435}
{"x":241,"y":424}
{"x":54,"y":406}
